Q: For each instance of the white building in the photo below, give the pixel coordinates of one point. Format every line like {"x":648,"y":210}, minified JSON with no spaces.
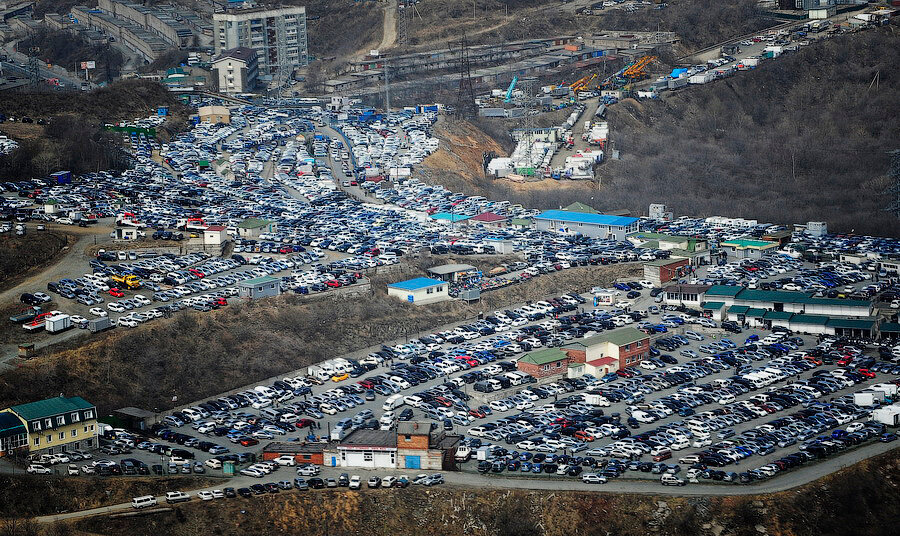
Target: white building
{"x":237,"y":70}
{"x":420,"y":290}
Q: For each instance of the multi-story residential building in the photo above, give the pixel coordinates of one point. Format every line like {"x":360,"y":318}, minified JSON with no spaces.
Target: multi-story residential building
{"x":277,"y":35}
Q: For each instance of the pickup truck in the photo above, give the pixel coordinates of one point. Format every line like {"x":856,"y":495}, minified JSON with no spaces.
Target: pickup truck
{"x":26,"y":315}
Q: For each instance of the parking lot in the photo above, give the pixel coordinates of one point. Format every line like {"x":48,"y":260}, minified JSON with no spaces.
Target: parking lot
{"x":705,"y":405}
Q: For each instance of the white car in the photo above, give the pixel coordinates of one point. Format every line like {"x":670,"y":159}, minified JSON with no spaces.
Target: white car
{"x":388,"y":481}
{"x":205,"y":495}
{"x":286,"y":460}
{"x":355,"y":482}
{"x":35,"y":469}
{"x":96,"y":311}
{"x":255,"y":473}
{"x":116,"y":307}
{"x":127,"y":322}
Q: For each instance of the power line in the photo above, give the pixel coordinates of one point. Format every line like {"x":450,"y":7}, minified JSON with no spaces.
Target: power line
{"x":465,"y":97}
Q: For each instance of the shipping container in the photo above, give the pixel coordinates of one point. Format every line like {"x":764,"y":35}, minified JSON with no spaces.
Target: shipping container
{"x":676,"y":83}
{"x":56,"y":323}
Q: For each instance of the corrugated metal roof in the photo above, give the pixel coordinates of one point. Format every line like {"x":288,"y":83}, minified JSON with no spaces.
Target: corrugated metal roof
{"x":417,"y":283}
{"x":583,"y":217}
{"x":542,"y":357}
{"x":10,"y":425}
{"x":724,"y":290}
{"x":50,"y":407}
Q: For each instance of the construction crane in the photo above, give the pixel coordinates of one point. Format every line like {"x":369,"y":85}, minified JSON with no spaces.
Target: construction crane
{"x":638,"y":68}
{"x":512,"y":86}
{"x":582,"y":83}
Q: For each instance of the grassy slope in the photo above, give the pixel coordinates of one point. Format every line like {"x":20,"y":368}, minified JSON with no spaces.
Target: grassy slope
{"x":859,"y":501}
{"x":197,"y":355}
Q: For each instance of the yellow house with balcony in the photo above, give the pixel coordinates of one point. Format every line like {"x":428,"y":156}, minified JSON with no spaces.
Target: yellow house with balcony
{"x":58,"y":424}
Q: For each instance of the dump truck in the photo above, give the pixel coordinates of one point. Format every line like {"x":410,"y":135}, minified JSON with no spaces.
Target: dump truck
{"x":129,"y":281}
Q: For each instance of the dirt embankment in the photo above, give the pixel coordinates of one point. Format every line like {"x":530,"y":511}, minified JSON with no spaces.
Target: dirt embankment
{"x":195,"y":355}
{"x":19,"y":254}
{"x":27,"y":496}
{"x":859,"y":501}
{"x":462,"y":148}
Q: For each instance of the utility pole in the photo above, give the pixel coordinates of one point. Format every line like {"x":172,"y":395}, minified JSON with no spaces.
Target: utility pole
{"x":387,"y":93}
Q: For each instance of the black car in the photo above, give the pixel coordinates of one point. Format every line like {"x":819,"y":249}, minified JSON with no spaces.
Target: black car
{"x":230,"y":493}
{"x":244,"y":492}
{"x":316,"y":483}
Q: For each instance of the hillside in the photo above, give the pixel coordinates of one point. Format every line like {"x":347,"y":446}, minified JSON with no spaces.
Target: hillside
{"x":195,"y":355}
{"x":802,"y":138}
{"x":858,"y":501}
{"x":798,"y":139}
{"x":73,"y":139}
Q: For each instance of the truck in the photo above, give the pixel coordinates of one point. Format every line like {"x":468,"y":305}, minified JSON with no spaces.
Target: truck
{"x":38,"y":323}
{"x":26,"y":316}
{"x":57,"y":322}
{"x":868,"y":397}
{"x":676,"y":83}
{"x":126,"y":281}
{"x":593,"y":399}
{"x":96,"y":325}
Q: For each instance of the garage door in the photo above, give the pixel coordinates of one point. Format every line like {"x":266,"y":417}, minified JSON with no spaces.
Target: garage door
{"x":413,"y":462}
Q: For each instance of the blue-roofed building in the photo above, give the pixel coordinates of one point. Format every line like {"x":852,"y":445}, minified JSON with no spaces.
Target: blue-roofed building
{"x":603,"y":226}
{"x":447,"y":217}
{"x":420,"y":290}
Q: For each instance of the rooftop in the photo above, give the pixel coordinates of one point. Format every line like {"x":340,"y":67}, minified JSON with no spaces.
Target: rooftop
{"x":585,"y":217}
{"x":238,"y":53}
{"x":259,"y":281}
{"x":663,"y":262}
{"x":417,"y":283}
{"x":253,"y":223}
{"x":578,"y":206}
{"x":489,"y":217}
{"x":445,"y":269}
{"x":449,"y":217}
{"x":746,"y":243}
{"x":370,"y":438}
{"x":618,"y":337}
{"x":50,"y":407}
{"x":10,"y":425}
{"x":413,"y":428}
{"x":294,"y":447}
{"x":602,"y":361}
{"x":542,"y":357}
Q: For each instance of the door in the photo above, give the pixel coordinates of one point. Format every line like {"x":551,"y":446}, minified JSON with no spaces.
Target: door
{"x":334,"y":461}
{"x":413,"y":462}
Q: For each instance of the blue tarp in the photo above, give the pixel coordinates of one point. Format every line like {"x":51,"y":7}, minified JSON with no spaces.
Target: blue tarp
{"x":677,"y":72}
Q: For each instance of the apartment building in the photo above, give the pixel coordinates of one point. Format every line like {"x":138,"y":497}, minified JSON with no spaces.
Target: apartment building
{"x":277,"y":35}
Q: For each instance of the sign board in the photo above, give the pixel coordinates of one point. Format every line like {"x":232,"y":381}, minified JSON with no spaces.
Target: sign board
{"x":89,"y":65}
{"x":162,"y":111}
{"x":409,"y":298}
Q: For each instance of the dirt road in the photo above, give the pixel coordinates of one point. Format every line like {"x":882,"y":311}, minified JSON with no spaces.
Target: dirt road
{"x":389,"y":34}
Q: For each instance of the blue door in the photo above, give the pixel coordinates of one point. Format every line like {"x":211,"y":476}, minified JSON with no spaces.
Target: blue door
{"x":413,"y":462}
{"x":333,"y":461}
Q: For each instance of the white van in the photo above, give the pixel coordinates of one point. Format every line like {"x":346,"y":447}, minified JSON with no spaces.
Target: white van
{"x":393,"y":402}
{"x":144,"y":502}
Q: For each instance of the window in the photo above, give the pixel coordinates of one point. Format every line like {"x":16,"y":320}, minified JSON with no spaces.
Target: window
{"x":60,"y":420}
{"x":86,"y":429}
{"x":368,"y":456}
{"x":62,"y":436}
{"x":75,"y":417}
{"x":429,"y":291}
{"x":89,"y":442}
{"x":545,"y":367}
{"x":74,"y":433}
{"x":48,"y":423}
{"x":92,"y":428}
{"x":89,"y":414}
{"x":49,"y":438}
{"x":37,"y":442}
{"x":407,"y":437}
{"x":35,"y":426}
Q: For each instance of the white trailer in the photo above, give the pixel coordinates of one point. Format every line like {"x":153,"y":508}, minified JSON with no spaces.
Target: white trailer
{"x":57,"y":323}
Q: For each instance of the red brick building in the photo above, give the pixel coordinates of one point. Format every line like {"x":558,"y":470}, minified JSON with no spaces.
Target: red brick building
{"x":628,"y":345}
{"x":544,"y":363}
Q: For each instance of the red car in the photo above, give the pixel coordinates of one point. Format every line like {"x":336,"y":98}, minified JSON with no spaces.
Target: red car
{"x":249,"y":442}
{"x":477,"y":413}
{"x":333,"y":283}
{"x":866,"y":372}
{"x":116,"y":293}
{"x":197,"y":272}
{"x":221,"y":301}
{"x":305,"y":423}
{"x":368,"y":384}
